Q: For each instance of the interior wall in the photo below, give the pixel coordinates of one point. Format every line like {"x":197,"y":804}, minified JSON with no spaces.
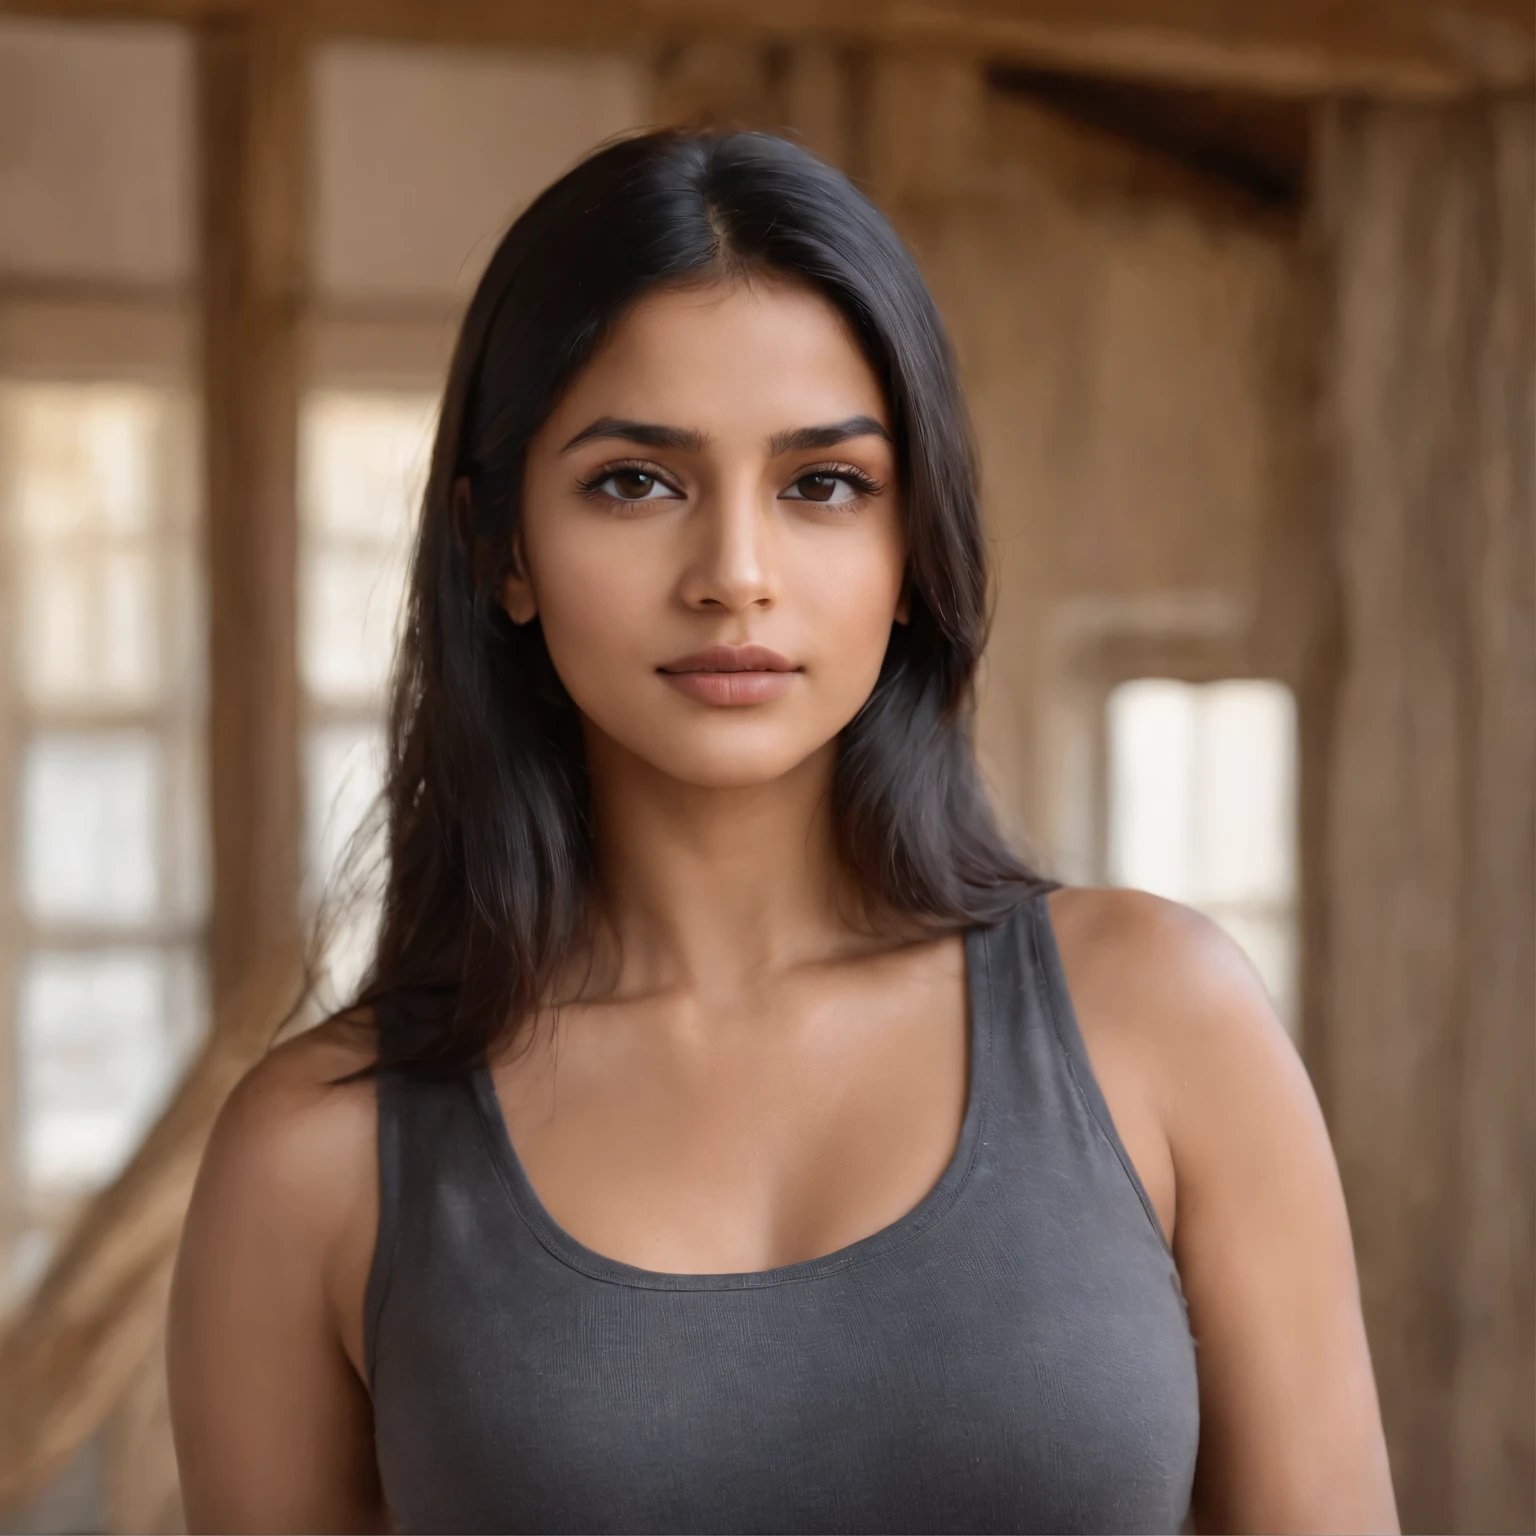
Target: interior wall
{"x":1428,"y":913}
{"x":423,"y":156}
{"x":95,"y":162}
{"x":1131,"y":340}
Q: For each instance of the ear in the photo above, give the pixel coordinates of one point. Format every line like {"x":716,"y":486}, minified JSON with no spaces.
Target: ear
{"x":516,"y":595}
{"x":516,"y":592}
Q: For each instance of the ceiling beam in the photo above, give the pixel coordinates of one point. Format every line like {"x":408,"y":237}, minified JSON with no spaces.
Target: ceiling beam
{"x":1386,"y":49}
{"x":1373,"y":48}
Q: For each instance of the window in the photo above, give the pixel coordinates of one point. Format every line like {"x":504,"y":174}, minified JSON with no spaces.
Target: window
{"x":103,"y":906}
{"x":1201,"y":802}
{"x":106,"y":877}
{"x":364,"y":458}
{"x":422,"y":156}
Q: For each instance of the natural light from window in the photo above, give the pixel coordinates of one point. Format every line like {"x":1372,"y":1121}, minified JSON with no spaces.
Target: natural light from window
{"x":107,"y":872}
{"x":364,"y":457}
{"x":1202,"y":809}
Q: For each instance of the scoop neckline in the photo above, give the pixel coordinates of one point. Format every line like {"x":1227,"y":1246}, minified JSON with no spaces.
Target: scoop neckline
{"x":936,"y":1203}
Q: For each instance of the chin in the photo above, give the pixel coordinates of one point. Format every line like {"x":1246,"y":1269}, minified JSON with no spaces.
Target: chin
{"x":713,"y":766}
{"x":723,"y":753}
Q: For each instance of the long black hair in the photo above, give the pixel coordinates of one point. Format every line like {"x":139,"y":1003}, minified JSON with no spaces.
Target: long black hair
{"x":489,"y":847}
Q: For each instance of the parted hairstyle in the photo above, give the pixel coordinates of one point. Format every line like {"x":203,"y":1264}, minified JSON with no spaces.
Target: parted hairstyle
{"x":488,"y":842}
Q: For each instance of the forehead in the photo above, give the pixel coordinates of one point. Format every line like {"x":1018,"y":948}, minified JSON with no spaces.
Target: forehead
{"x":740,"y":357}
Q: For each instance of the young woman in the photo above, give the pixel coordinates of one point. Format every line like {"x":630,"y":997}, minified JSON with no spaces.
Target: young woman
{"x":733,"y":1134}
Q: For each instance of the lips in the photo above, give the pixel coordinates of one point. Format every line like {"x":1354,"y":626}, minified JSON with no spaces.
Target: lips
{"x":731,"y":675}
{"x":731,"y":658}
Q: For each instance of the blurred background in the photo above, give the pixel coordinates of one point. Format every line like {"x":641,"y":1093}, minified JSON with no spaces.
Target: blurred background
{"x":1243,"y":296}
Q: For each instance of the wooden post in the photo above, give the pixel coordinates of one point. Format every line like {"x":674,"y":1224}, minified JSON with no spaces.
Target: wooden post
{"x":252,"y":113}
{"x":1426,"y":1057}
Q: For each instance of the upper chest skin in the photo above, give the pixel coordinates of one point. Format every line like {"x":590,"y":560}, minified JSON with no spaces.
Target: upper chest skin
{"x":685,"y":1136}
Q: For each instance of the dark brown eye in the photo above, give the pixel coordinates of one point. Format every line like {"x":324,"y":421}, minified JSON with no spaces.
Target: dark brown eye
{"x":830,"y":488}
{"x":818,"y":487}
{"x":632,"y":484}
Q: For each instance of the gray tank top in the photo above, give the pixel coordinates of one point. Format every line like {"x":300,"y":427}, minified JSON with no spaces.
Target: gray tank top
{"x":1012,"y":1354}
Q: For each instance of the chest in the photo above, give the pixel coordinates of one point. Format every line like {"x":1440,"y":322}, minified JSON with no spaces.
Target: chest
{"x":678,"y":1137}
{"x":954,"y":1384}
{"x":1011,"y":1354}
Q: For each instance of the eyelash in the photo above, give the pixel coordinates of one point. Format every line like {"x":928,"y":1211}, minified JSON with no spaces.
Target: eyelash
{"x":861,"y":483}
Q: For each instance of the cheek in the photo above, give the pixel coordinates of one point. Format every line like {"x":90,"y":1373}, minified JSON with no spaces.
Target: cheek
{"x":595,"y":597}
{"x":845,"y":597}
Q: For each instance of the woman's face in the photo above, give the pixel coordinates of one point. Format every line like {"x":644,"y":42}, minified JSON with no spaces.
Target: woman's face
{"x":712,"y":535}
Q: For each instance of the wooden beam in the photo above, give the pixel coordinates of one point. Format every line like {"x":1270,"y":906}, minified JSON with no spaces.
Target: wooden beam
{"x":1387,"y":49}
{"x":253,"y":108}
{"x":188,"y":13}
{"x":1425,"y":1052}
{"x":1398,"y":49}
{"x":1377,"y":48}
{"x":68,"y":336}
{"x":1257,"y":146}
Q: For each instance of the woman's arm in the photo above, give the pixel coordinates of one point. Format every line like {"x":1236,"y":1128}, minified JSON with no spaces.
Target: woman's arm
{"x":1290,"y":1429}
{"x":273,"y":1425}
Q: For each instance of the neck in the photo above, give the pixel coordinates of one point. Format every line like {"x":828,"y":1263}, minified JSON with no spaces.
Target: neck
{"x":710,"y":890}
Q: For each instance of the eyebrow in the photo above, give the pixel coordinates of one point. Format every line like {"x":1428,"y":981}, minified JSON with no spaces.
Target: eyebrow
{"x":650,"y":434}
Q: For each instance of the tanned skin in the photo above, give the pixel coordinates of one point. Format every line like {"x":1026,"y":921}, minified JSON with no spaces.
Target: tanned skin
{"x":762,"y":1068}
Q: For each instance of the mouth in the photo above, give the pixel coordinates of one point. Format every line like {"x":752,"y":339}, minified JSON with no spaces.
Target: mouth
{"x":730,"y":658}
{"x":731,"y":675}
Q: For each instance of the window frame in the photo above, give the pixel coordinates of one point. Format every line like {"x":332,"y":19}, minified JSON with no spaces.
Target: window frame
{"x":1094,"y":646}
{"x":55,"y":334}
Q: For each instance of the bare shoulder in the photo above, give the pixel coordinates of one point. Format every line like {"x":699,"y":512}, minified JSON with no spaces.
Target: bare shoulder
{"x":1219,"y":1106}
{"x":293,"y":1118}
{"x":303,"y":1074}
{"x":1158,"y":950}
{"x":264,"y":1342}
{"x":1164,"y":986}
{"x":291,"y":1163}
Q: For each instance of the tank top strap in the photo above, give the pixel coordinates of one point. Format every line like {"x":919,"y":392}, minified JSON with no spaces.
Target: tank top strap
{"x":425,"y":1123}
{"x":1011,"y":1355}
{"x":1046,"y":1093}
{"x":390,"y":1088}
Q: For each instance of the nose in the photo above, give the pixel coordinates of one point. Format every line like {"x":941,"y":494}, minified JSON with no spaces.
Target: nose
{"x":731,"y":564}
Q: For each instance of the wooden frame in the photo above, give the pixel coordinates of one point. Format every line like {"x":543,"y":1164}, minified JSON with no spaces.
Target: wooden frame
{"x":81,"y":1341}
{"x":252,"y":95}
{"x":171,"y":720}
{"x":1413,"y":50}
